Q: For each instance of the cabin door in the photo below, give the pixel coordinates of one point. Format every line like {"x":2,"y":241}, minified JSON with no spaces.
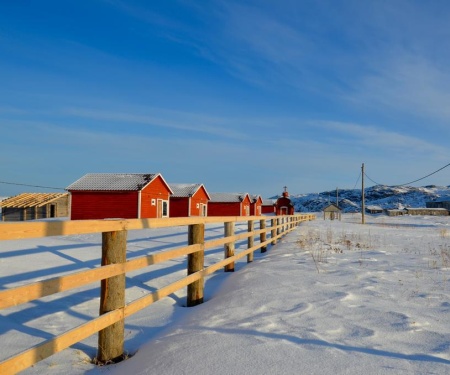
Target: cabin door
{"x":162,"y":208}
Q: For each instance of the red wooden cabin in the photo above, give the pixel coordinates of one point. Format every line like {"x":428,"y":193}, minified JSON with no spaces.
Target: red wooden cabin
{"x":284,"y":205}
{"x":229,"y":204}
{"x":119,"y":195}
{"x":268,"y":206}
{"x":256,"y":204}
{"x":188,"y":200}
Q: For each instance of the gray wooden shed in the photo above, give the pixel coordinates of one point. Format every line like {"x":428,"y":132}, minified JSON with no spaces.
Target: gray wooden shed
{"x":332,"y":212}
{"x":32,"y":206}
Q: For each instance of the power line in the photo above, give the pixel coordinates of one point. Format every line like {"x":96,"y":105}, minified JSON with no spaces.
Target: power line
{"x":376,"y":183}
{"x":36,"y":186}
{"x":356,"y":183}
{"x":411,"y":182}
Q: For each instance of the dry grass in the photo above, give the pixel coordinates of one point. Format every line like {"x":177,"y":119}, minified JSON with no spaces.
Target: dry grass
{"x":321,"y":245}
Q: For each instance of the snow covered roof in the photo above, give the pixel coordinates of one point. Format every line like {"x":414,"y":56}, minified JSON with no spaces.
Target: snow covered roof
{"x":113,"y":181}
{"x":379,"y":208}
{"x":185,"y":190}
{"x":227,"y":197}
{"x":268,"y":202}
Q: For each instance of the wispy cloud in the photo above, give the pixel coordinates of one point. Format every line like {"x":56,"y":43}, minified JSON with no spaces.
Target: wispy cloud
{"x":408,"y":83}
{"x":381,"y":55}
{"x":164,"y":118}
{"x":381,"y":139}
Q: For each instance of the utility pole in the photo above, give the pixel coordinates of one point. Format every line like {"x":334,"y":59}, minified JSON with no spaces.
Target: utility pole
{"x":363,"y":208}
{"x":337,"y":197}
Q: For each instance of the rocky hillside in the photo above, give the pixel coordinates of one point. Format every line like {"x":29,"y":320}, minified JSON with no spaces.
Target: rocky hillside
{"x":379,"y":195}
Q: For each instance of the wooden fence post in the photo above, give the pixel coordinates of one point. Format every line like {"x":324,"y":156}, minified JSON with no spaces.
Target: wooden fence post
{"x":250,"y":240}
{"x":229,"y":247}
{"x":196,"y":235}
{"x":262,"y":236}
{"x":112,"y":296}
{"x":273,"y":231}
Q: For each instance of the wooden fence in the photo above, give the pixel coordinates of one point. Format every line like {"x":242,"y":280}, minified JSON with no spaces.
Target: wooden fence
{"x":114,"y":267}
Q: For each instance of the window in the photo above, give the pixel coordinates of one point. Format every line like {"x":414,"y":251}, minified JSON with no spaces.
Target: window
{"x":165,"y":209}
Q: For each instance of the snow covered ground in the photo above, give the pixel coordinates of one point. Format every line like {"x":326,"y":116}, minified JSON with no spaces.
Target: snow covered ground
{"x":331,"y":297}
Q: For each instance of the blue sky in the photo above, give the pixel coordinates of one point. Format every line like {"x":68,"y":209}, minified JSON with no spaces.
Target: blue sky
{"x":238,"y":95}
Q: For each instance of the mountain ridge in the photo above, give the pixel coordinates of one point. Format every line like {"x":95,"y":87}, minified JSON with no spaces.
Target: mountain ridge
{"x":386,"y":197}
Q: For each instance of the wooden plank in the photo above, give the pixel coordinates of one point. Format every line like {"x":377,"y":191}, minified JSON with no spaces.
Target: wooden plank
{"x":153,"y":297}
{"x":137,"y":305}
{"x":148,"y":260}
{"x":26,"y":293}
{"x":15,"y":231}
{"x":28,"y":358}
{"x":30,"y":292}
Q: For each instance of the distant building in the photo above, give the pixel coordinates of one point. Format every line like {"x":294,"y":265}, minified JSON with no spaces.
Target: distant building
{"x":374,"y":209}
{"x":32,"y":206}
{"x":439,"y":203}
{"x":188,"y":200}
{"x":395,"y":212}
{"x":283,"y":206}
{"x":427,"y":211}
{"x":229,"y":204}
{"x":120,"y":195}
{"x":268,"y":206}
{"x":332,"y":212}
{"x":256,"y":205}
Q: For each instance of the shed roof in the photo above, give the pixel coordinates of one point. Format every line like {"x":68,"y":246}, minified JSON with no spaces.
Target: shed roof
{"x":228,"y":197}
{"x":186,"y":190}
{"x":372,"y":207}
{"x":331,"y":207}
{"x":31,"y":199}
{"x":114,"y":181}
{"x":268,"y":202}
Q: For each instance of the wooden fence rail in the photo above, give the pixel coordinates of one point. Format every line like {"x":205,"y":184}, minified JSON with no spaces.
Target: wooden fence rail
{"x":114,"y":267}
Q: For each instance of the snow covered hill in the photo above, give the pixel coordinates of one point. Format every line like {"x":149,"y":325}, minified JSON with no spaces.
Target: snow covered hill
{"x":379,"y":195}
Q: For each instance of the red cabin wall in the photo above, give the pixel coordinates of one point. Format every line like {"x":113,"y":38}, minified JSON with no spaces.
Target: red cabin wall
{"x":268,"y":209}
{"x":224,"y":209}
{"x":179,"y":207}
{"x":157,"y":189}
{"x":87,"y":205}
